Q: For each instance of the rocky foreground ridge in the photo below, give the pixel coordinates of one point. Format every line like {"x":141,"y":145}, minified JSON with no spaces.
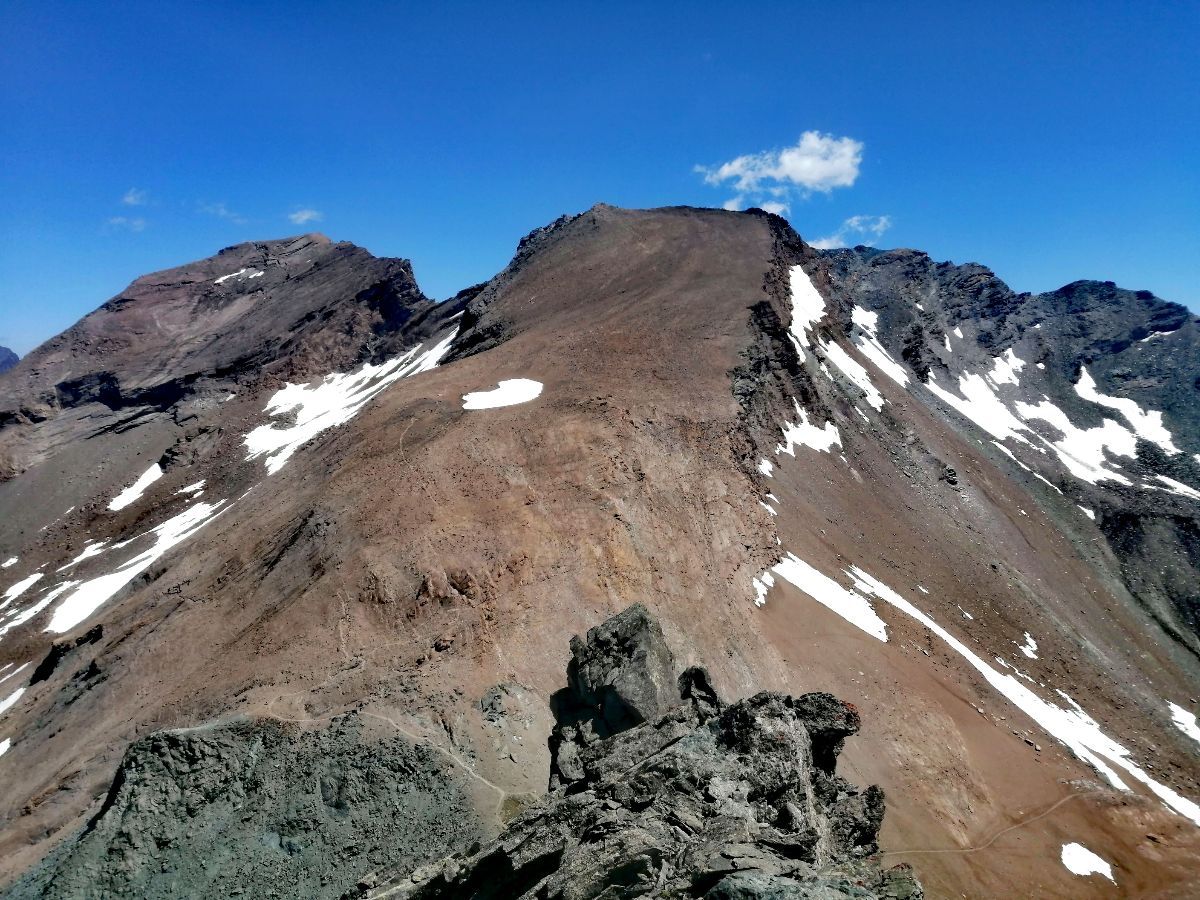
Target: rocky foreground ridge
{"x":660,"y":789}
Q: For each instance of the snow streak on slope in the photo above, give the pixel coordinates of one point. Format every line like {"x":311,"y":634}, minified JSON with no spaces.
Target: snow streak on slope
{"x":1068,"y":724}
{"x":867,"y":341}
{"x":19,"y":588}
{"x":803,"y":433}
{"x":135,"y":490}
{"x":337,"y":399}
{"x":808,"y":307}
{"x":1185,"y":721}
{"x":90,"y":595}
{"x":1084,"y":452}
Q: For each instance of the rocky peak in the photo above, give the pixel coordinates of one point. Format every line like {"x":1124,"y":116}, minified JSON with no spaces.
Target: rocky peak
{"x":684,"y":797}
{"x":8,"y":359}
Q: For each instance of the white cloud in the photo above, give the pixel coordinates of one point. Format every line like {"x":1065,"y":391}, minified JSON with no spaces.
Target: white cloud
{"x":134,"y":197}
{"x":221,"y":211}
{"x":304,"y":216}
{"x":134,"y":223}
{"x":771,"y":206}
{"x":817,"y":162}
{"x":861,"y":229}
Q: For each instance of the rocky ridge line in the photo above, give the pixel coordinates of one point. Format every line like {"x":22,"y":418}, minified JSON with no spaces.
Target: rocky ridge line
{"x":659,"y":789}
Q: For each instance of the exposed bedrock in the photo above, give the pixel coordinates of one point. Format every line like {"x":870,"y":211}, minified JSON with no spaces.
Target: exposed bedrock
{"x":662,"y":790}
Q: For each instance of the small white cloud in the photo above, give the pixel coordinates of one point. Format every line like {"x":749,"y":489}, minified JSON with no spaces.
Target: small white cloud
{"x":861,"y":229}
{"x":304,"y":216}
{"x":127,"y":223}
{"x":817,"y":162}
{"x":733,"y":204}
{"x":134,"y":197}
{"x":780,"y":209}
{"x":221,"y":211}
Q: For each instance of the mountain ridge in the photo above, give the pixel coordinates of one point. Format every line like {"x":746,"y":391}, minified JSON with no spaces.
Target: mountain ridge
{"x":721,"y":407}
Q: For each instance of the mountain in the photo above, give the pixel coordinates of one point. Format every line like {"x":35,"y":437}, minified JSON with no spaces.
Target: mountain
{"x":312,"y":535}
{"x":8,"y":359}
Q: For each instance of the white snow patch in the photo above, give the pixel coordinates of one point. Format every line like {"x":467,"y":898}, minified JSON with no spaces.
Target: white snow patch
{"x":1083,"y":450}
{"x":766,"y":467}
{"x":1029,"y":648}
{"x":335,"y":400}
{"x":135,"y":490}
{"x":922,"y":589}
{"x":980,"y":404}
{"x":958,"y":332}
{"x":762,"y":584}
{"x":850,"y":367}
{"x":1154,"y":334}
{"x":15,"y":671}
{"x":1091,"y":514}
{"x":949,"y":349}
{"x":509,"y":392}
{"x":1185,"y":721}
{"x":803,"y":433}
{"x":19,"y":588}
{"x":1005,"y":368}
{"x":227,"y":398}
{"x":966,"y":615}
{"x":867,"y":341}
{"x":4,"y":745}
{"x":1068,"y":724}
{"x":191,"y":488}
{"x":254,"y":273}
{"x":90,"y":595}
{"x":7,"y":703}
{"x":1082,"y":861}
{"x":20,"y":617}
{"x":11,"y":561}
{"x":767,"y":508}
{"x":92,"y":549}
{"x":808,"y":307}
{"x":1146,"y":424}
{"x":843,"y":601}
{"x":1178,"y":487}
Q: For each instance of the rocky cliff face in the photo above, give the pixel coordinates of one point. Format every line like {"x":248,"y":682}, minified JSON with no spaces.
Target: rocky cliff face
{"x":8,"y":359}
{"x":660,"y":789}
{"x":963,"y":510}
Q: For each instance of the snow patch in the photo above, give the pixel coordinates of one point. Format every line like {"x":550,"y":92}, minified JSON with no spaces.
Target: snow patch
{"x":11,"y":561}
{"x":1091,"y":514}
{"x":808,"y":307}
{"x":15,"y":671}
{"x":762,"y":584}
{"x":867,"y":341}
{"x":803,"y":433}
{"x":87,"y":597}
{"x":19,"y":588}
{"x":1147,"y":424}
{"x":1178,"y":487}
{"x":765,"y":466}
{"x":135,"y":490}
{"x":845,"y":602}
{"x":191,"y":488}
{"x":254,"y":273}
{"x":509,"y":392}
{"x":335,"y":400}
{"x":1185,"y":721}
{"x":1029,"y":648}
{"x":4,"y":745}
{"x":1079,"y":860}
{"x":92,"y":549}
{"x":7,"y":703}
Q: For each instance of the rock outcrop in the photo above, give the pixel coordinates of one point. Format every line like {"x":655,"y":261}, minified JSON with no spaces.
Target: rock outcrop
{"x":661,"y":790}
{"x":8,"y":359}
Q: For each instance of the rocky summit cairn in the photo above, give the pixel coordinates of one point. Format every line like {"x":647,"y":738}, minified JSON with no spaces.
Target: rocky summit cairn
{"x":658,"y":789}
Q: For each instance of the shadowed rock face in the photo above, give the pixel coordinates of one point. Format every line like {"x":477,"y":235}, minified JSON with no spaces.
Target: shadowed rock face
{"x":261,"y":809}
{"x":8,"y":359}
{"x":698,"y":800}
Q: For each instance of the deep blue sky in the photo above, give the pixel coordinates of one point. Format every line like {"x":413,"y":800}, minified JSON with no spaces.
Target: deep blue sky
{"x":1050,"y":141}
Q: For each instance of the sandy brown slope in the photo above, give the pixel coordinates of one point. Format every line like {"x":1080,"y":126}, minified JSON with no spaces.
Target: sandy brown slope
{"x":409,"y":561}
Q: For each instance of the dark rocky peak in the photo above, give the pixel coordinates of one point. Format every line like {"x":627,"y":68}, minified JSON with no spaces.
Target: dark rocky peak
{"x":694,"y":799}
{"x":8,"y":359}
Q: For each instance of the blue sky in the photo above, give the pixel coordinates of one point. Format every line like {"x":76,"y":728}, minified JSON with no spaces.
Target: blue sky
{"x":1049,"y":141}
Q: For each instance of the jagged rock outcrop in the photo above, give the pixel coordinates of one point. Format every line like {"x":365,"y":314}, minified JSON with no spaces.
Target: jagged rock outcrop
{"x":8,"y":359}
{"x":695,"y":800}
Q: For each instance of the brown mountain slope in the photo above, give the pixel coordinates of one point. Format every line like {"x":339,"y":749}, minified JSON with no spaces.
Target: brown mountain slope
{"x":412,"y":559}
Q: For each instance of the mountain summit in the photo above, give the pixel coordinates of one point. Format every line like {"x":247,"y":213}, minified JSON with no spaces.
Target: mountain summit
{"x":291,"y":547}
